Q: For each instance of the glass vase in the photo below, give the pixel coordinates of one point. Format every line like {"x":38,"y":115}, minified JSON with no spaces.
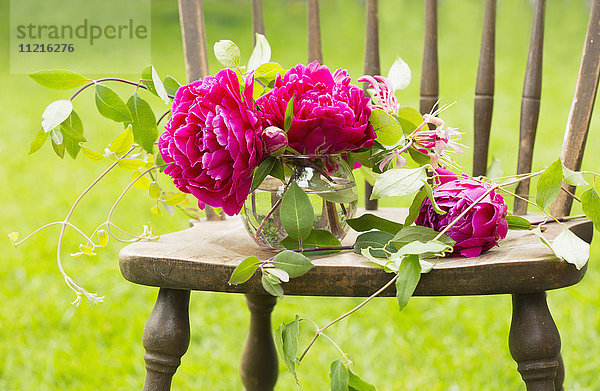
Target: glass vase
{"x":327,"y":181}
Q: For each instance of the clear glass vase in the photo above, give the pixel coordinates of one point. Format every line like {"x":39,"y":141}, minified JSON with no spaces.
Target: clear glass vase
{"x":329,"y":184}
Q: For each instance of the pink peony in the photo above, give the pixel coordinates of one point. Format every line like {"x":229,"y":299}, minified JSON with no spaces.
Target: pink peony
{"x":480,"y":228}
{"x":213,"y":141}
{"x":330,"y":115}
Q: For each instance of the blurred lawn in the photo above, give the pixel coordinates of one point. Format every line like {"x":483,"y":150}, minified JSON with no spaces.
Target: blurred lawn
{"x":434,"y":344}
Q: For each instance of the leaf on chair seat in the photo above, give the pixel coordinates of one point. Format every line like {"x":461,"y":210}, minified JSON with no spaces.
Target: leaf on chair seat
{"x":244,"y":270}
{"x":409,"y":276}
{"x":571,"y":248}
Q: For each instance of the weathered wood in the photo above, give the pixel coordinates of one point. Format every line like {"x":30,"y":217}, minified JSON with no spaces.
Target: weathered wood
{"x":534,"y":341}
{"x":314,"y":31}
{"x":258,"y":23}
{"x":181,"y":261}
{"x":166,"y":338}
{"x":191,"y":18}
{"x":484,"y":91}
{"x":580,"y":115}
{"x":371,"y":67}
{"x":259,"y":358}
{"x":429,"y":71}
{"x":530,"y":103}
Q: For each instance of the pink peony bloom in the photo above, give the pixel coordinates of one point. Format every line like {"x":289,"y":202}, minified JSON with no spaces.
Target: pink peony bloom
{"x":213,"y":141}
{"x":275,"y":140}
{"x":480,"y":228}
{"x":330,"y":115}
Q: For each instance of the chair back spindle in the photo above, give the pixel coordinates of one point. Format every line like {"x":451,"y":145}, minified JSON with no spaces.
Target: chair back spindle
{"x":484,"y":91}
{"x":578,"y":122}
{"x":530,"y":103}
{"x":429,"y":70}
{"x":194,"y":38}
{"x":371,"y":67}
{"x":258,"y":22}
{"x":314,"y":31}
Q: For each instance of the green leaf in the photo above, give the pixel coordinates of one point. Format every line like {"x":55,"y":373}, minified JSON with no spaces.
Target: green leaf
{"x":424,"y":249}
{"x":244,"y":270}
{"x":154,"y":190}
{"x":89,"y":153}
{"x":574,"y":178}
{"x":72,"y":130}
{"x":59,"y":149}
{"x":57,"y":137}
{"x":538,"y":232}
{"x":316,"y":238}
{"x":227,"y":53}
{"x":377,"y":240}
{"x":399,"y":74}
{"x":429,"y":192}
{"x":171,"y":85}
{"x":420,"y":158}
{"x":267,"y":73}
{"x":281,"y":275}
{"x":55,"y":113}
{"x":272,"y":285}
{"x":571,"y":248}
{"x":409,"y":275}
{"x":399,"y":182}
{"x":261,"y":172}
{"x":286,"y":340}
{"x":417,"y":233}
{"x":296,"y":213}
{"x":59,"y":79}
{"x":175,"y":199}
{"x":338,"y":376}
{"x":123,"y":142}
{"x":295,"y":264}
{"x":355,"y":383}
{"x":415,"y":207}
{"x":387,"y":128}
{"x":289,"y":114}
{"x":548,"y":185}
{"x":145,"y":131}
{"x":110,"y":104}
{"x":159,"y":87}
{"x":590,"y":203}
{"x":369,"y":221}
{"x":517,"y":222}
{"x":261,"y":53}
{"x":142,"y":183}
{"x":278,"y":172}
{"x":38,"y":141}
{"x":409,"y":119}
{"x":131,"y":164}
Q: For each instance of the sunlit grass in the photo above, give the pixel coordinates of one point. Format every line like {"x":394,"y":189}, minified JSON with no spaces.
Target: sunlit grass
{"x":434,"y":344}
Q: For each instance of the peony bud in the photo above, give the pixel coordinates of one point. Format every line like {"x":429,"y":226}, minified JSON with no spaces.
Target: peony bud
{"x":275,"y":140}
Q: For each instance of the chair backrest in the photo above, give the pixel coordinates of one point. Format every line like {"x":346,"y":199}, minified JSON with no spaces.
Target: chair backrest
{"x":192,"y":25}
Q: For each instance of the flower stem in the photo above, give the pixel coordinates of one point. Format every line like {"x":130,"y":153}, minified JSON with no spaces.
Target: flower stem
{"x":320,"y":331}
{"x":270,"y":212}
{"x":328,"y":248}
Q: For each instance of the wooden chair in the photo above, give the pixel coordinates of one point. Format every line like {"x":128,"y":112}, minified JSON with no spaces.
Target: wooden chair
{"x":180,"y":262}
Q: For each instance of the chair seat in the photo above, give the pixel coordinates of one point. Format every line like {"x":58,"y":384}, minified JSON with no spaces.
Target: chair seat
{"x":204,"y":256}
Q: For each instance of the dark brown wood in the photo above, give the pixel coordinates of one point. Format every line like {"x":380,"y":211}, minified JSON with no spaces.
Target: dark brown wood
{"x":371,"y":67}
{"x":181,"y":261}
{"x":166,"y":338}
{"x":530,"y":103}
{"x":259,"y":358}
{"x":429,"y":72}
{"x":580,"y":115}
{"x":534,"y":341}
{"x":258,"y":23}
{"x":314,"y":31}
{"x":484,"y":91}
{"x":191,"y":18}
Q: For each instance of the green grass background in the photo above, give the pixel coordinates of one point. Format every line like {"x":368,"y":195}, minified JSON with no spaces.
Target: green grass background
{"x":434,"y":344}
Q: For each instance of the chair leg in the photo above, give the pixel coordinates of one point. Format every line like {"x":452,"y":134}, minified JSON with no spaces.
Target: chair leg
{"x":534,"y":342}
{"x":259,"y":359}
{"x":166,"y":338}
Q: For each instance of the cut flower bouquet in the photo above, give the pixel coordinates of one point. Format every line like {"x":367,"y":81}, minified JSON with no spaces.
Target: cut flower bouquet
{"x":280,"y":146}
